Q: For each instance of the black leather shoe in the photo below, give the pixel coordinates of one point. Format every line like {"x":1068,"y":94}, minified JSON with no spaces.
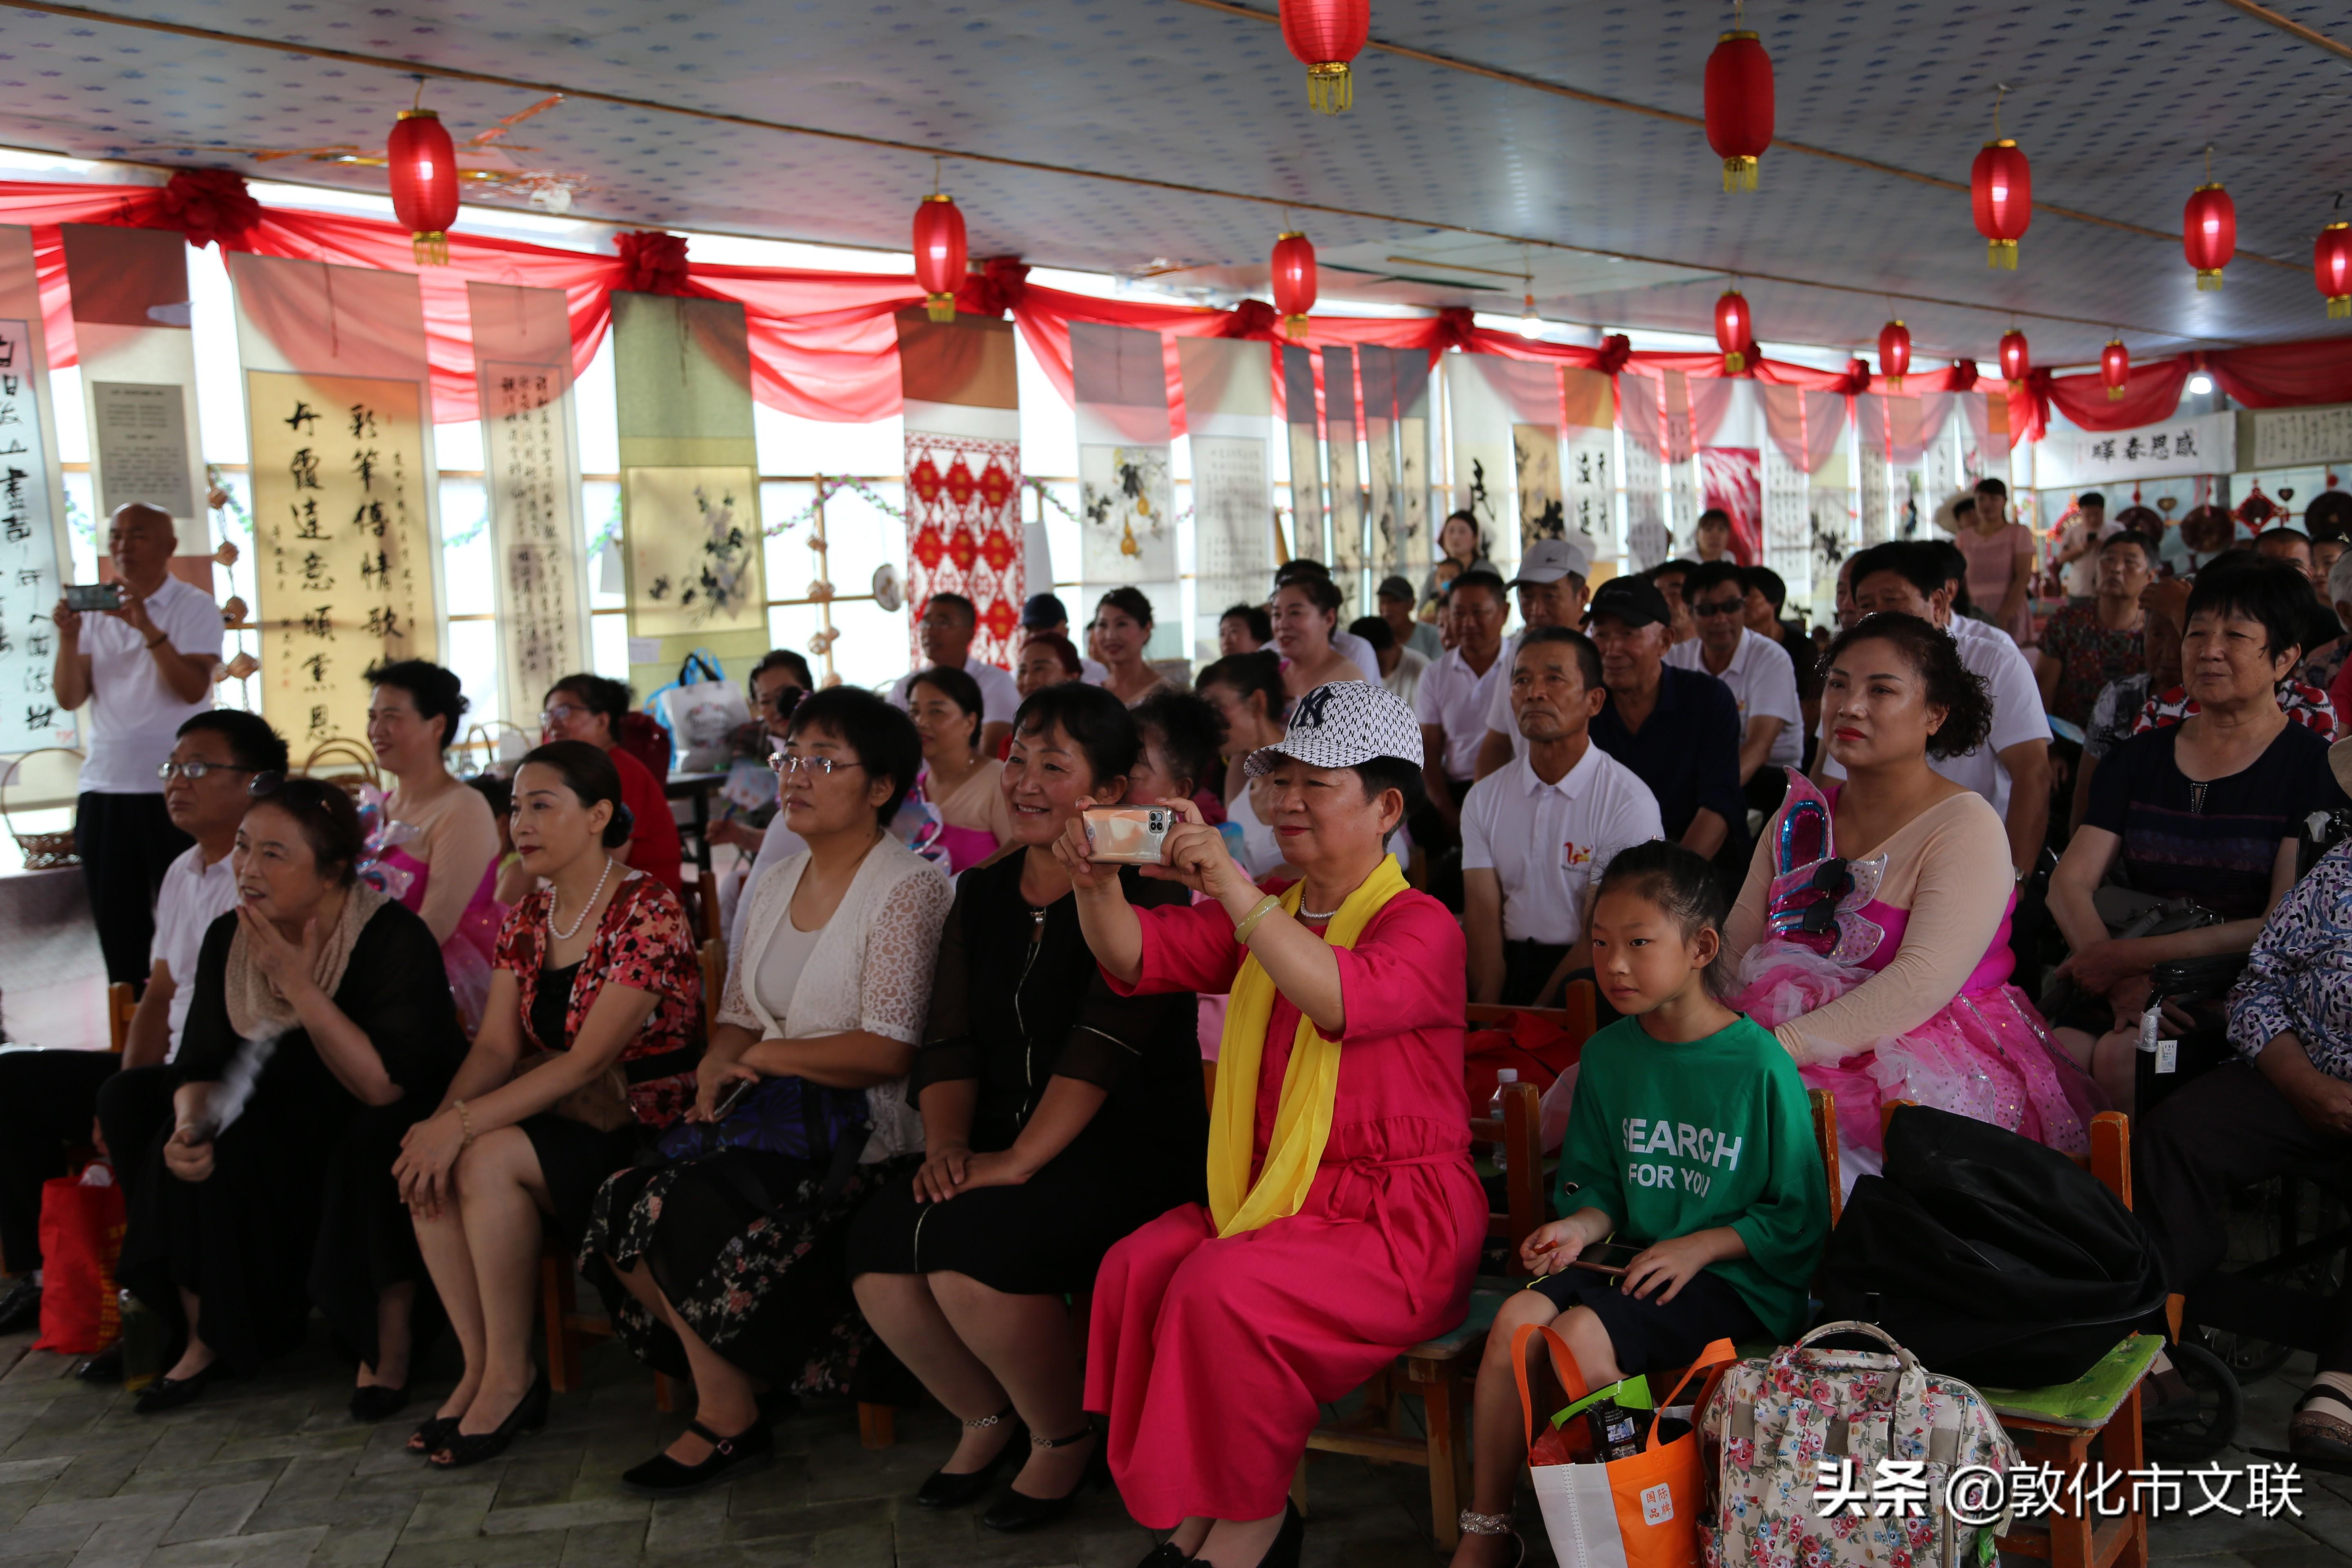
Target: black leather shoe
{"x":460,"y":1449}
{"x":1016,"y":1511}
{"x":1288,"y":1543}
{"x":661,"y":1475}
{"x":961,"y":1488}
{"x":106,"y":1366}
{"x":1164,"y":1555}
{"x":172,"y":1393}
{"x":20,"y":1308}
{"x":374,"y":1401}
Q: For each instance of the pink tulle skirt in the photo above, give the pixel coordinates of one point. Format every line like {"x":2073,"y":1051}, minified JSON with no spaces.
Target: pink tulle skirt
{"x":1984,"y":1055}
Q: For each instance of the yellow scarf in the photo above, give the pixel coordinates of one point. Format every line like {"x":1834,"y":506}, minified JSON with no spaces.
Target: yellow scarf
{"x":1310,"y":1083}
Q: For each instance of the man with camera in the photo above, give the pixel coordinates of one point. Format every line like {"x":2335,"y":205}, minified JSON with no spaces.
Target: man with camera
{"x":143,"y":657}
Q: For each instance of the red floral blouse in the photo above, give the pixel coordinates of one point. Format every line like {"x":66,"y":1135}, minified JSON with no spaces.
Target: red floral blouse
{"x":641,"y":942}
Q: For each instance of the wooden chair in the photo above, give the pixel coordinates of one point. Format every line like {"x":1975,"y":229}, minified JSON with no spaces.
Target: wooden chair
{"x":120,"y":1004}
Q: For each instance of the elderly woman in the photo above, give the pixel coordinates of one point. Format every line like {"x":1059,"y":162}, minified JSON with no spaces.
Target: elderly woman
{"x":438,"y":847}
{"x":729,"y":1252}
{"x":1057,"y":1117}
{"x":1343,"y":1220}
{"x":2206,"y":810}
{"x":325,"y":1000}
{"x":1306,"y":613}
{"x":961,"y":783}
{"x":590,"y":708}
{"x":587,"y":1046}
{"x":1122,"y":631}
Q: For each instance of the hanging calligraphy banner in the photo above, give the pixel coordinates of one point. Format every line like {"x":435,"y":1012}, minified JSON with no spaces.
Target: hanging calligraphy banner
{"x":960,"y":383}
{"x":1346,"y":487}
{"x":1298,"y":402}
{"x":531,"y":446}
{"x":691,"y":543}
{"x":32,"y":513}
{"x":1483,"y":460}
{"x":345,"y":506}
{"x":1416,"y":470}
{"x":1376,"y":367}
{"x":1127,"y":498}
{"x":1588,"y":408}
{"x":1228,"y":411}
{"x":1647,"y":541}
{"x":138,"y":357}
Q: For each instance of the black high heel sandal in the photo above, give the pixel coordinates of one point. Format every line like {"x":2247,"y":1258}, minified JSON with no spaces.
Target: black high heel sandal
{"x":463,"y":1448}
{"x":1017,"y":1511}
{"x":959,"y":1489}
{"x":430,"y":1434}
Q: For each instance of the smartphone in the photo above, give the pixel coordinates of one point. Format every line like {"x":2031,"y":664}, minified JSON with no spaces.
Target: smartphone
{"x":1129,"y":835}
{"x":732,"y":1099}
{"x":88,"y":596}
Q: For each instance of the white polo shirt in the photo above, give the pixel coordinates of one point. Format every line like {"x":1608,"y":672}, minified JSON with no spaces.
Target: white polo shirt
{"x":2017,"y":713}
{"x":1763,"y":682}
{"x":1404,"y":680}
{"x":1546,"y":843}
{"x":1360,"y":652}
{"x":194,"y":895}
{"x":135,"y":720}
{"x":1453,"y":696}
{"x":1000,"y":696}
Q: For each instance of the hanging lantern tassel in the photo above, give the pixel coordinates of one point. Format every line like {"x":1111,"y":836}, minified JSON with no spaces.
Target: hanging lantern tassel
{"x":2000,"y":196}
{"x":422,"y":164}
{"x":1294,"y":280}
{"x":941,"y":258}
{"x":2331,"y":267}
{"x":2208,"y":232}
{"x":1894,"y":353}
{"x":1738,"y":107}
{"x":2114,"y":368}
{"x":1326,"y":35}
{"x":1735,"y":330}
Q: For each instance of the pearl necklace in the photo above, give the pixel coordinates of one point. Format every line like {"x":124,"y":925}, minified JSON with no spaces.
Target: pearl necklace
{"x":1317,"y":916}
{"x":562,"y":935}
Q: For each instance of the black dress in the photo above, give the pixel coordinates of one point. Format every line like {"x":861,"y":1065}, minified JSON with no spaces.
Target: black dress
{"x":300,"y":1207}
{"x":1016,"y":1001}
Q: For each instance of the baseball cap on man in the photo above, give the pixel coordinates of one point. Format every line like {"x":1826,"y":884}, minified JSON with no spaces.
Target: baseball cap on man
{"x":1044,"y":612}
{"x":1549,"y":560}
{"x":1632,"y":600}
{"x":1341,"y":725}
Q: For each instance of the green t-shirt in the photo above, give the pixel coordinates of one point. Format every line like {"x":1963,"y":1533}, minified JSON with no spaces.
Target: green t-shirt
{"x":1671,"y":1139}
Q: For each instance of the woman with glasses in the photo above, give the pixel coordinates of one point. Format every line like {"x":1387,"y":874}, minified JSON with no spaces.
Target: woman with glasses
{"x":958,"y":782}
{"x":1872,"y":936}
{"x":591,"y":708}
{"x":778,"y":683}
{"x":587,"y":1049}
{"x":320,"y":1028}
{"x":437,"y":847}
{"x":729,"y":1252}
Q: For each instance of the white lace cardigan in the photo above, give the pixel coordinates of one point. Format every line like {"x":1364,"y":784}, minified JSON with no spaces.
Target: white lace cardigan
{"x":871,"y":970}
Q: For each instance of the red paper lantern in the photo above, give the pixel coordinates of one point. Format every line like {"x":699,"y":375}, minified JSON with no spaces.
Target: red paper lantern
{"x":1735,"y":330}
{"x":2015,"y":362}
{"x":2331,"y":264}
{"x":1326,"y":35}
{"x":2001,"y":191}
{"x":2208,"y":232}
{"x":423,"y":164}
{"x":1738,"y":107}
{"x":1894,"y":353}
{"x":2114,"y":368}
{"x":940,"y":254}
{"x":1294,"y":280}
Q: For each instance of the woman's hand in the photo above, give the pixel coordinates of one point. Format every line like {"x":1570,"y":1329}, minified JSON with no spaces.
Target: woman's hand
{"x":185,"y":1158}
{"x":1195,"y":854}
{"x":2102,"y":965}
{"x":1074,"y":851}
{"x":941,"y":1173}
{"x":1004,"y":1169}
{"x":712,"y":1080}
{"x":428,"y":1156}
{"x":1672,"y":1264}
{"x":286,"y":966}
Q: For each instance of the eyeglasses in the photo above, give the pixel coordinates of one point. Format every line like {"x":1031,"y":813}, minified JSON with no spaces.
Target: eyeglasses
{"x":194,"y":771}
{"x":789,"y":762}
{"x":552,"y":716}
{"x":1720,"y":608}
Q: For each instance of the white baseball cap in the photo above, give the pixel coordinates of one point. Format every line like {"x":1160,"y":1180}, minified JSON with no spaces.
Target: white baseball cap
{"x":1341,"y":725}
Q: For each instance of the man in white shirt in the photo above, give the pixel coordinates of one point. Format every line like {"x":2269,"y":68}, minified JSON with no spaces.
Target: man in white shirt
{"x":1401,"y":667}
{"x":945,"y":631}
{"x":1552,"y":591}
{"x":1537,"y":834}
{"x":2078,"y":548}
{"x":1763,"y":680}
{"x":142,"y":668}
{"x":2011,"y":769}
{"x":1046,"y":612}
{"x":48,"y":1096}
{"x":1453,"y":700}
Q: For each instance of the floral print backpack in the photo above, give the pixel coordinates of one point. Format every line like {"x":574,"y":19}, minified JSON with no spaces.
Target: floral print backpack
{"x":1835,"y":1458}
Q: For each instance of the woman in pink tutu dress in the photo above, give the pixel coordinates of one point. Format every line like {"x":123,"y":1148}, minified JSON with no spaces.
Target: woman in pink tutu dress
{"x":1872,"y":933}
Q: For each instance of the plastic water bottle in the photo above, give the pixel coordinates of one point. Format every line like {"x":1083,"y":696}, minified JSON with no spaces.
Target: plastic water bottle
{"x":1495,"y":1111}
{"x":143,"y":1343}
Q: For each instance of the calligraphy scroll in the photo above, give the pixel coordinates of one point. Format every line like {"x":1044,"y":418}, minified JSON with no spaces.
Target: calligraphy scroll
{"x":1588,"y":406}
{"x":1484,"y":458}
{"x":345,"y":507}
{"x":691,"y":546}
{"x":522,"y":369}
{"x":1345,"y":493}
{"x":1647,"y":542}
{"x":1228,"y":407}
{"x":1377,"y":368}
{"x":2294,"y":437}
{"x":1298,"y":400}
{"x":1417,"y":473}
{"x":32,"y":512}
{"x":962,"y":401}
{"x":1127,"y":498}
{"x":130,"y":313}
{"x":1870,"y":427}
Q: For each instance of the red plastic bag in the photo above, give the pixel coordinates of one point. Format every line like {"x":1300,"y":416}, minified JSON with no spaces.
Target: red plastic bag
{"x":81,"y":1237}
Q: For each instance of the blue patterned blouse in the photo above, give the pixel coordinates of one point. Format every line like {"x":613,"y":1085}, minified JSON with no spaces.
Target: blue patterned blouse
{"x":2300,"y":977}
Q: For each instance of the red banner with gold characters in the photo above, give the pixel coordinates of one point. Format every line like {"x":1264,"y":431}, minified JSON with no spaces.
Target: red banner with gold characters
{"x":963,"y":474}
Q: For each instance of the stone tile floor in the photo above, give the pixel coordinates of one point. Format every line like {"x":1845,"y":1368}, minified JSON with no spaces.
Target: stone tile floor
{"x":272,"y":1471}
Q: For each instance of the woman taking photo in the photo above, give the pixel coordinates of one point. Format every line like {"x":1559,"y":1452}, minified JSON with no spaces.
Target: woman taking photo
{"x":1219,"y":1330}
{"x":2207,"y":810}
{"x":1306,"y":614}
{"x":1122,"y":630}
{"x":1246,"y":690}
{"x":1872,"y":936}
{"x":445,"y":866}
{"x":587,"y":1045}
{"x":590,"y":708}
{"x":960,"y":783}
{"x":730,"y":1250}
{"x":246,"y":1219}
{"x":1056,"y":1118}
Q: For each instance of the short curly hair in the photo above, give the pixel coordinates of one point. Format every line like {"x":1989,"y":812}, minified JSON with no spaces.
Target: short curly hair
{"x":1950,"y":685}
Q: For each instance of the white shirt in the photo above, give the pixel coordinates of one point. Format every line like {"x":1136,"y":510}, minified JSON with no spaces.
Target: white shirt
{"x":1405,"y":679}
{"x":780,"y":846}
{"x":194,"y":895}
{"x":1000,"y":698}
{"x":1546,"y":843}
{"x":2017,"y":713}
{"x":781,"y":963}
{"x":1358,"y":649}
{"x":1093,"y":672}
{"x":133,"y":717}
{"x":1453,"y":696}
{"x":1763,"y":682}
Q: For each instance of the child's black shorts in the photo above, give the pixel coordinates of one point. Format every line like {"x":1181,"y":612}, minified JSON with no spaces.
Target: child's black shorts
{"x":1647,"y":1336}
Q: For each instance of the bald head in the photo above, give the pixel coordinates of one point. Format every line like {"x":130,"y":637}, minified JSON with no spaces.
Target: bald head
{"x":140,"y":540}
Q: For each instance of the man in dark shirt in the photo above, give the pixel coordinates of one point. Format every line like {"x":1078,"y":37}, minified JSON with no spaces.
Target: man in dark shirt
{"x":1678,"y":730}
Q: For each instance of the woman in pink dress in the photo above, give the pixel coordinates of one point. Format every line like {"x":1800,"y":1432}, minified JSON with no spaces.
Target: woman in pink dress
{"x":1872,"y":934}
{"x":1343,"y":1221}
{"x":2000,"y":560}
